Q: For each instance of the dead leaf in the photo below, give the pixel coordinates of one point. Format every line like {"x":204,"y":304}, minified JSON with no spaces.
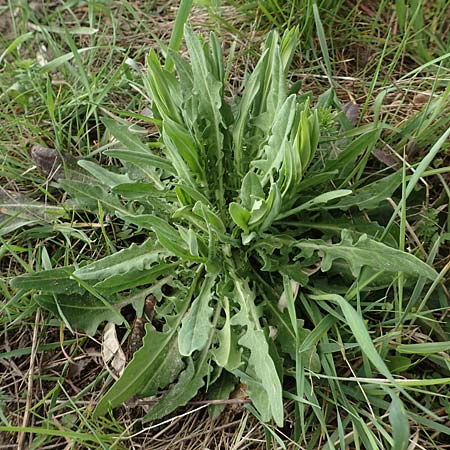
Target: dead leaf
{"x":352,"y":111}
{"x":41,"y":55}
{"x":136,"y":336}
{"x":147,"y":112}
{"x":76,"y":368}
{"x":385,"y":157}
{"x":49,"y":161}
{"x":111,"y":349}
{"x":282,"y":303}
{"x":421,"y":99}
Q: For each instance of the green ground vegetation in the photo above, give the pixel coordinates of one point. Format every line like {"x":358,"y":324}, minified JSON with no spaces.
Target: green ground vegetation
{"x":270,"y":179}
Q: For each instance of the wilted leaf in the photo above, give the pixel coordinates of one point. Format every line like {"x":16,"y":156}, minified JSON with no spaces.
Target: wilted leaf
{"x":351,"y":111}
{"x":50,"y":161}
{"x":111,"y":349}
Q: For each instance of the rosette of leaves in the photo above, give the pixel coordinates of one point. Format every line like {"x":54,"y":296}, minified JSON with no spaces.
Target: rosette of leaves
{"x":238,"y":199}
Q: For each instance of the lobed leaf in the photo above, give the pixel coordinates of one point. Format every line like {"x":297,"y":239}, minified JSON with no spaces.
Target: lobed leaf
{"x":167,"y":235}
{"x":196,"y":326}
{"x":131,"y":267}
{"x":187,"y":386}
{"x":260,"y":375}
{"x":366,"y":252}
{"x":156,"y":364}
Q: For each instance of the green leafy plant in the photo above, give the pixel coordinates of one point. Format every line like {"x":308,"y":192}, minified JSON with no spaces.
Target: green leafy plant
{"x":235,"y":206}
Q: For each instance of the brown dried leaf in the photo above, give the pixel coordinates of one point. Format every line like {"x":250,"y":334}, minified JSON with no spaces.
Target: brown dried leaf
{"x":385,"y":157}
{"x":137,"y":335}
{"x":49,"y":161}
{"x":76,"y":368}
{"x":111,"y":349}
{"x":282,"y":303}
{"x":421,"y":99}
{"x":352,"y":111}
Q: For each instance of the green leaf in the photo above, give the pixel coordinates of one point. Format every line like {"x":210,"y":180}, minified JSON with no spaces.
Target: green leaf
{"x":54,"y":281}
{"x":426,"y":348}
{"x":187,"y":386}
{"x":211,"y":218}
{"x":195,"y":194}
{"x":163,"y":88}
{"x":252,"y":87}
{"x":240,"y":216}
{"x":55,"y":63}
{"x":398,"y":364}
{"x":273,"y":207}
{"x":63,"y":433}
{"x":303,"y":140}
{"x":135,"y":151}
{"x":10,"y":224}
{"x":183,"y":151}
{"x":319,"y":200}
{"x":79,"y":311}
{"x":366,"y":252}
{"x":20,"y":207}
{"x":208,"y":90}
{"x":251,"y":190}
{"x":278,"y":142}
{"x":370,"y":196}
{"x":177,"y":33}
{"x":354,"y":149}
{"x":88,"y":196}
{"x":261,"y":376}
{"x":167,"y":235}
{"x":156,"y":364}
{"x":125,"y":281}
{"x":73,"y":31}
{"x":399,"y":422}
{"x":127,"y":268}
{"x":139,"y":158}
{"x":106,"y":177}
{"x":16,"y":43}
{"x":196,"y":326}
{"x":133,"y":258}
{"x":226,"y":354}
{"x":136,"y":190}
{"x":359,"y":331}
{"x":221,"y":390}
